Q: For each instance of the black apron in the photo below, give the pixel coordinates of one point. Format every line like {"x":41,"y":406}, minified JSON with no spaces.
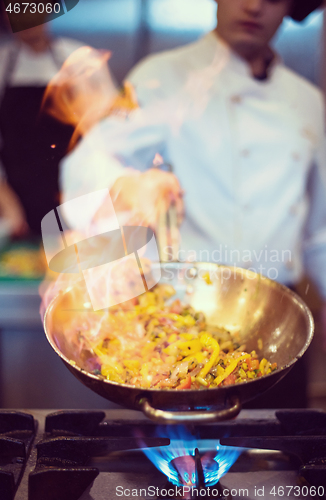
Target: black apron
{"x":33,"y":144}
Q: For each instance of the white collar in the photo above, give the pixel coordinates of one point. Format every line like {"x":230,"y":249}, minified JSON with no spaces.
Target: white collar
{"x":216,"y":49}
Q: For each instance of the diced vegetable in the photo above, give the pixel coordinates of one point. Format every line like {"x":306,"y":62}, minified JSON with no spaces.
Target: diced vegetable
{"x":155,"y":345}
{"x":208,"y":341}
{"x":185,"y":384}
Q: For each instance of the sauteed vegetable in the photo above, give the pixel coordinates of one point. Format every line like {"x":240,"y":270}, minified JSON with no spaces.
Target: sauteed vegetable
{"x":159,"y":343}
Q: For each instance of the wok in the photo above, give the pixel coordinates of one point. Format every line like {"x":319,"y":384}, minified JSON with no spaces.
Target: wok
{"x":271,"y":319}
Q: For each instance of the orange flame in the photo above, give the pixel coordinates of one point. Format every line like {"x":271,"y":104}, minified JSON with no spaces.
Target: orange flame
{"x":83,"y":92}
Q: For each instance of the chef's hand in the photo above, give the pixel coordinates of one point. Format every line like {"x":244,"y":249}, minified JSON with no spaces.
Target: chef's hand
{"x":145,"y":195}
{"x":18,"y":225}
{"x":12,"y":211}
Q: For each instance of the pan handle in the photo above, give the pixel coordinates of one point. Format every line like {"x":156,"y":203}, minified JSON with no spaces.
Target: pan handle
{"x":191,"y":417}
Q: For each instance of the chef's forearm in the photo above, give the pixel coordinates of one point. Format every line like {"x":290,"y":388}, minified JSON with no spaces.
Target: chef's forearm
{"x":9,"y":201}
{"x":12,"y":210}
{"x":113,"y":149}
{"x":103,"y":175}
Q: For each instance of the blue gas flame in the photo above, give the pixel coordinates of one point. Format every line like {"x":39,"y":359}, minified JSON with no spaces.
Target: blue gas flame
{"x":183,"y":444}
{"x":225,"y":457}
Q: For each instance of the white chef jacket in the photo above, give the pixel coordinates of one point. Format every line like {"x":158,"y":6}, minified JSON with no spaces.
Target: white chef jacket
{"x":245,"y":151}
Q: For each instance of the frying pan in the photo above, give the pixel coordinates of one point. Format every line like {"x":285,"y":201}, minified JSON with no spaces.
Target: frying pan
{"x":268,"y":317}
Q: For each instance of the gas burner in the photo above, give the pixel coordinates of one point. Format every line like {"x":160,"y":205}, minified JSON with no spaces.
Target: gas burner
{"x":187,"y":467}
{"x":191,"y":476}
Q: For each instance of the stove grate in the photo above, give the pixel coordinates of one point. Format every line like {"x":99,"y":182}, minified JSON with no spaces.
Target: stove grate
{"x":65,"y":459}
{"x":71,"y":441}
{"x":17,"y":433}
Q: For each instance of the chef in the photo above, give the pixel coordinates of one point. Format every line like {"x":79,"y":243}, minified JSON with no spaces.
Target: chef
{"x":245,"y":136}
{"x":32,"y":143}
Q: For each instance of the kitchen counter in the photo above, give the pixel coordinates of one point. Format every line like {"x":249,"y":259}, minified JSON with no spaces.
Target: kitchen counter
{"x":19,"y":294}
{"x":20,"y":304}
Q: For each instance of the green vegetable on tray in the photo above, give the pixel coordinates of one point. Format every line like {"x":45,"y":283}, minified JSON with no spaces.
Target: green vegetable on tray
{"x":20,"y":262}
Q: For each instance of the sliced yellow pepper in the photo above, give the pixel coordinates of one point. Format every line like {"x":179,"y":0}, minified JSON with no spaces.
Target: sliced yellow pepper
{"x":188,"y":320}
{"x":187,"y":336}
{"x":262,"y":365}
{"x":208,"y":341}
{"x":151,"y":325}
{"x":146,"y":379}
{"x":170,"y":360}
{"x":132,"y":364}
{"x":147,"y":347}
{"x":114,"y":342}
{"x":186,"y":347}
{"x":189,"y":347}
{"x":131,"y":314}
{"x":157,"y":361}
{"x":229,"y":369}
{"x":244,"y":356}
{"x":99,"y":352}
{"x":116,"y":367}
{"x":220,"y":370}
{"x":151,"y":309}
{"x":147,"y":299}
{"x":199,"y":356}
{"x":172,"y":349}
{"x":112,"y":372}
{"x":174,"y":316}
{"x":201,"y":381}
